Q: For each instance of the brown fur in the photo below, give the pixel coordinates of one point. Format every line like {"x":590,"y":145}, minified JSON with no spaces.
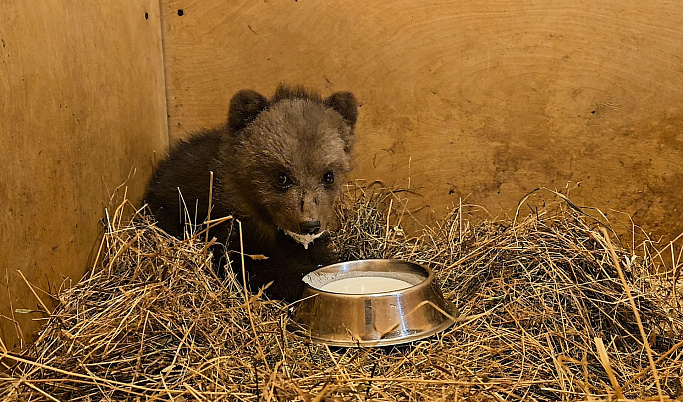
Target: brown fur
{"x":272,"y":162}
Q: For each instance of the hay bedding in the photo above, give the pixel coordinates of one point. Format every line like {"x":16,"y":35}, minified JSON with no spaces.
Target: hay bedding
{"x":544,"y":316}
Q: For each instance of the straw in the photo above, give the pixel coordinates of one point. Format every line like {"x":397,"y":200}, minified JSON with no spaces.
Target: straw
{"x":548,"y":316}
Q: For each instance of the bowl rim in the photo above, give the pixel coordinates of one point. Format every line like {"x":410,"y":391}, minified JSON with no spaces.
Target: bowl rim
{"x":427,"y":281}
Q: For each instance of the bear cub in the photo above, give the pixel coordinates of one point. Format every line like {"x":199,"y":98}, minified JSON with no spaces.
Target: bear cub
{"x":278,"y":167}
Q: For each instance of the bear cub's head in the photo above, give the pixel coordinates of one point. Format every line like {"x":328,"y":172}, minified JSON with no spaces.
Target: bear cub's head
{"x":290,"y":156}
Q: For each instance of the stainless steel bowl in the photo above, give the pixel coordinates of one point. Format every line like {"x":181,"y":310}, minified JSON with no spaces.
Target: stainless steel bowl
{"x":391,"y":317}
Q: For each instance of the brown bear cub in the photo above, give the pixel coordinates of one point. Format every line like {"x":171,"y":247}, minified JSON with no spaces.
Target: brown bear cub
{"x":278,"y":168}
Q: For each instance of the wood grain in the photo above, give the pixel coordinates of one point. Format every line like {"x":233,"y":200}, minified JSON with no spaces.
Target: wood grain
{"x":82,"y":106}
{"x":482,"y":101}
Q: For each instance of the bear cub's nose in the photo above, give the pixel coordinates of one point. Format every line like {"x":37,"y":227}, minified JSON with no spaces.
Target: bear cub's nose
{"x":309,"y":227}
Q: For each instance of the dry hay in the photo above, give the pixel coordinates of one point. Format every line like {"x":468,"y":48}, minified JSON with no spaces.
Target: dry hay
{"x":545,"y":317}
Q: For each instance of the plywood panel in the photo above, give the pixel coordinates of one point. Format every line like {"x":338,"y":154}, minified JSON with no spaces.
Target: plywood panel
{"x":483,"y":101}
{"x":82,"y":105}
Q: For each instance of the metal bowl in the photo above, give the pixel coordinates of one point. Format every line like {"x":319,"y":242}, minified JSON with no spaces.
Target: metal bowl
{"x":405,"y":304}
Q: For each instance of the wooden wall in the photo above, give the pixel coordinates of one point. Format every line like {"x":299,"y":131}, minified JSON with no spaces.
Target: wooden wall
{"x":478,"y":100}
{"x":82,"y":104}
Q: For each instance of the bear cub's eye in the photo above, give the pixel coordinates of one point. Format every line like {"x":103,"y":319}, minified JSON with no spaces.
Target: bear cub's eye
{"x":283,"y":180}
{"x":328,"y":178}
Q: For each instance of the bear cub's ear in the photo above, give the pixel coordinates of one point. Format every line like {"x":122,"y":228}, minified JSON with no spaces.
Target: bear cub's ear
{"x":244,"y":107}
{"x":346,"y":105}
